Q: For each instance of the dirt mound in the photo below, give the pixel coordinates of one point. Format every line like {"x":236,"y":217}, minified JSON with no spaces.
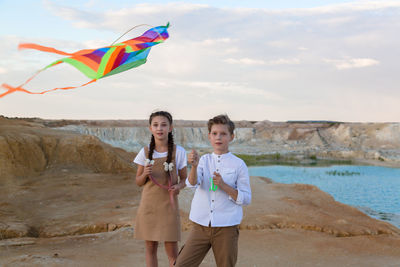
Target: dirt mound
{"x":29,"y":148}
{"x":301,"y":206}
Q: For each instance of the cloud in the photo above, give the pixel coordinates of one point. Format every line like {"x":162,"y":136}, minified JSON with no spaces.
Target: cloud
{"x":245,"y":61}
{"x":337,"y":21}
{"x":342,"y":64}
{"x":351,"y":7}
{"x":228,"y":58}
{"x":208,"y":89}
{"x":251,"y":61}
{"x":3,"y":70}
{"x":90,"y":44}
{"x":217,"y":41}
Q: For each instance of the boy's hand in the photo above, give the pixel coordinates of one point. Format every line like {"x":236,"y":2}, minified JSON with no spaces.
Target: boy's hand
{"x":193,"y":158}
{"x":217,"y":179}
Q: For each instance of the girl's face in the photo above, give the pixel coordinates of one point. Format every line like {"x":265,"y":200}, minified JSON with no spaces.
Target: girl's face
{"x":160,"y":127}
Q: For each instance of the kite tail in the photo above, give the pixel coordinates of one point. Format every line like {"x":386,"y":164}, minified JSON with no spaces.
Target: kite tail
{"x":51,"y":49}
{"x":42,"y":48}
{"x":11,"y":89}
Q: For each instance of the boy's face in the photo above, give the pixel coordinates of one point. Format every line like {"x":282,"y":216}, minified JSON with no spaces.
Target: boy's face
{"x":220,"y":137}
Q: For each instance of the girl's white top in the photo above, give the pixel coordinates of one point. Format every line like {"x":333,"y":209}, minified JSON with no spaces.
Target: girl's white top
{"x":180,"y":157}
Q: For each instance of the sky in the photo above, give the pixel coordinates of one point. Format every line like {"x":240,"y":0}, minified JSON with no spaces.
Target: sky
{"x":253,"y":60}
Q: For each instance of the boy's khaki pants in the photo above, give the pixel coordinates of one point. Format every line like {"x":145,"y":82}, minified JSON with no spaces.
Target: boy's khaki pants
{"x":222,"y":240}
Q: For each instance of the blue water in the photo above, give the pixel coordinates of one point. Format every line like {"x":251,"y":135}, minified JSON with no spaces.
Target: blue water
{"x":374,"y":190}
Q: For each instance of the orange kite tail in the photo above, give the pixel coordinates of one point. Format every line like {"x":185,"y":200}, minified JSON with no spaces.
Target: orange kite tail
{"x":42,"y":48}
{"x":11,"y":89}
{"x":51,"y":49}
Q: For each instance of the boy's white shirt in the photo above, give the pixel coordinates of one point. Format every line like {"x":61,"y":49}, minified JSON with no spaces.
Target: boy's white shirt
{"x":217,"y":206}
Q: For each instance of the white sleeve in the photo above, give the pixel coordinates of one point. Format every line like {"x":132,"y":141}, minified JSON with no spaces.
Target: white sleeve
{"x":140,"y":158}
{"x":243,"y":186}
{"x":180,"y":158}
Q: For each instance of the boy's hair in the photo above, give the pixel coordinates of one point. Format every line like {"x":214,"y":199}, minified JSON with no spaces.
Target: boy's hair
{"x":221,"y":119}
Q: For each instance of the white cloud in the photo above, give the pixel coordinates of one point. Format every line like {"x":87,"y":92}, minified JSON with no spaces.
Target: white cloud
{"x":245,"y":61}
{"x":221,"y":59}
{"x":284,"y":61}
{"x":336,"y":21}
{"x":352,"y":63}
{"x":251,"y":61}
{"x":278,"y":44}
{"x":355,"y":6}
{"x":208,"y":89}
{"x":90,"y":44}
{"x":3,"y":70}
{"x":217,"y":41}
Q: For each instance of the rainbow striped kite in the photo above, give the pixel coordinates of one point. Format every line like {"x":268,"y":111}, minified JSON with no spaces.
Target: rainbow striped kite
{"x":101,"y":62}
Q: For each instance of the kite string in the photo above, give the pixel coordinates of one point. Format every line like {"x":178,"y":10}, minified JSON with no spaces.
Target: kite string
{"x":134,"y":27}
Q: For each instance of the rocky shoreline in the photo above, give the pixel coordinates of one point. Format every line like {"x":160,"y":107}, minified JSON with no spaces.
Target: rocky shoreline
{"x":377,"y":143}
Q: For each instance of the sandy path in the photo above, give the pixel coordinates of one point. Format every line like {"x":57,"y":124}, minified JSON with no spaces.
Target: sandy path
{"x":256,"y":248}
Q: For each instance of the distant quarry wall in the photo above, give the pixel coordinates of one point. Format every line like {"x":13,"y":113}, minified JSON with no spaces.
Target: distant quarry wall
{"x":374,"y":141}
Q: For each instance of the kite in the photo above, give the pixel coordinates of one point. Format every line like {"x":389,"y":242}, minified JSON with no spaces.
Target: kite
{"x":101,"y":62}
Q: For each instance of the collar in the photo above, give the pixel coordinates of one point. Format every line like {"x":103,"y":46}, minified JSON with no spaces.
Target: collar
{"x":222,"y":156}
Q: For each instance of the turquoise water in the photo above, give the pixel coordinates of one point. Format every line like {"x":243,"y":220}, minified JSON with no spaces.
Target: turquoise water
{"x":374,"y":190}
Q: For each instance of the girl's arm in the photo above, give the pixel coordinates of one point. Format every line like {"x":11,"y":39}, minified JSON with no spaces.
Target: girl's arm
{"x":182,"y":177}
{"x":179,"y":186}
{"x":142,"y":174}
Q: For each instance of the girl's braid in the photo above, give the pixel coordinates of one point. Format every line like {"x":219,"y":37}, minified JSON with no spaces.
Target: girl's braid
{"x":152,"y":146}
{"x":170,"y":147}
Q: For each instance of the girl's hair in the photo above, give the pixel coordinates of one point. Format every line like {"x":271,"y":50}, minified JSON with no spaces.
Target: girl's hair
{"x":170,"y":136}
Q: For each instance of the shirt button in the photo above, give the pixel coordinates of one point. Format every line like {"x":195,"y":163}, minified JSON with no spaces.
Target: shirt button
{"x":211,"y":211}
{"x":218,"y":160}
{"x":213,"y":200}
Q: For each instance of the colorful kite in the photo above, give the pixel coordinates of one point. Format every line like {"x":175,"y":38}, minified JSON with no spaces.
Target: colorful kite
{"x":101,"y":62}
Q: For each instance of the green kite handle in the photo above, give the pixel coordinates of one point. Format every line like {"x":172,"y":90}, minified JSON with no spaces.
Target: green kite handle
{"x":213,"y":187}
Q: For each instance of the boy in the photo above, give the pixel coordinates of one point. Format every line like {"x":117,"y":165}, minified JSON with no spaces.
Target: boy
{"x":222,"y":187}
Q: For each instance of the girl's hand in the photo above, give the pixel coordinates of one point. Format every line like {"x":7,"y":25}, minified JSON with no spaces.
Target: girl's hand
{"x":193,"y":158}
{"x":175,"y":189}
{"x":147,"y":170}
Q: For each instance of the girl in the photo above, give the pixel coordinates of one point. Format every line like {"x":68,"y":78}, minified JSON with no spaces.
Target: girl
{"x":158,"y":168}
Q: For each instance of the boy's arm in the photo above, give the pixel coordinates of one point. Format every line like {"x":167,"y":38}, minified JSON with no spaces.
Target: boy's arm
{"x":232,"y":192}
{"x":193,"y":179}
{"x":241,"y":196}
{"x":243,"y":186}
{"x":193,"y":175}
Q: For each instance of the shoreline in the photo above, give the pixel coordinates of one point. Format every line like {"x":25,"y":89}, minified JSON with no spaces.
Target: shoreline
{"x":307,"y":161}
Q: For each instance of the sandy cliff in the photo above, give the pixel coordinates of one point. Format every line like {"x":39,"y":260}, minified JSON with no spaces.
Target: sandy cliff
{"x":28,"y":148}
{"x":370,"y":141}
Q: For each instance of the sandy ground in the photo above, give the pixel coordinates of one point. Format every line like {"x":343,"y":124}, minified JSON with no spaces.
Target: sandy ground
{"x":256,"y":248}
{"x":286,"y":244}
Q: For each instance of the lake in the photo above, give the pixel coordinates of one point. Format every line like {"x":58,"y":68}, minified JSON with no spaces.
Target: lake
{"x":372,"y":189}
